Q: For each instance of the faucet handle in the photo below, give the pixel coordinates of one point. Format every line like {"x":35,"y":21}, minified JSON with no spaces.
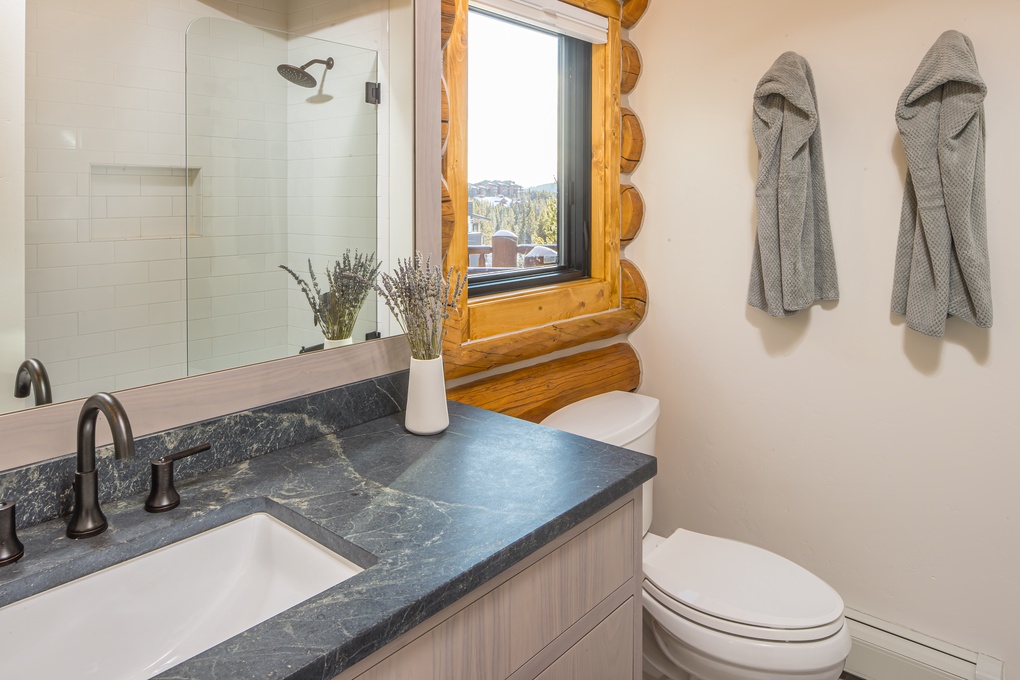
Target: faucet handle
{"x":11,"y":549}
{"x":163,"y":496}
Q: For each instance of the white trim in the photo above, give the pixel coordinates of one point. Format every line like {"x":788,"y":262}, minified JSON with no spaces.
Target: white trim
{"x":886,"y":651}
{"x":551,"y":15}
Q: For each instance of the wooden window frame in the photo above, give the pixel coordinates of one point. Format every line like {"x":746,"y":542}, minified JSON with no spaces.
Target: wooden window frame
{"x":486,"y":319}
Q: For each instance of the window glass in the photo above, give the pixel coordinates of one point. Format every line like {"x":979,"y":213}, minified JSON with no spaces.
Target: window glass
{"x":519,"y":104}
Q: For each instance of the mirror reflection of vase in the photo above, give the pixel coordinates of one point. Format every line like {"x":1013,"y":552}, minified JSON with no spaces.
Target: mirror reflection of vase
{"x":330,"y":344}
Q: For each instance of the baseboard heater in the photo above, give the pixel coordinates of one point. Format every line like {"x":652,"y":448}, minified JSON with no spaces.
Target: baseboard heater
{"x":885,"y":651}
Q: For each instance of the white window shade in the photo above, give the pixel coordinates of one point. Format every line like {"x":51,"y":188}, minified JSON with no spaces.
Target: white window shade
{"x":551,"y":15}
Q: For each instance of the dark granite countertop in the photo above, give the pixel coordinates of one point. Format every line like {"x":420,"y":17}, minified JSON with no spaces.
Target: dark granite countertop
{"x":431,"y":518}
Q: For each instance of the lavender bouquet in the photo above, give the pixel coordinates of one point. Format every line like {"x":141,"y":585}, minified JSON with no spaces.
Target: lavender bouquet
{"x":350,"y":281}
{"x":420,"y":296}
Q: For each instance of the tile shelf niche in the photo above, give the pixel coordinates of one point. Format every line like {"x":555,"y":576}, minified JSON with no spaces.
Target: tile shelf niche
{"x":144,"y":201}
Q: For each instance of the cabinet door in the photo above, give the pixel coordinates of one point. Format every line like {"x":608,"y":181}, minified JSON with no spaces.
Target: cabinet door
{"x":599,"y":654}
{"x":416,"y":661}
{"x":552,"y":595}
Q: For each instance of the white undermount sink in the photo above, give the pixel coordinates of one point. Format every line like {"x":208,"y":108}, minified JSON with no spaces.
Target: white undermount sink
{"x":140,"y":617}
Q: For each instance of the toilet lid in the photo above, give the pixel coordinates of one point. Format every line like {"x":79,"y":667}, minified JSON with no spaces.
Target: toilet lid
{"x":740,"y":582}
{"x":616,"y":418}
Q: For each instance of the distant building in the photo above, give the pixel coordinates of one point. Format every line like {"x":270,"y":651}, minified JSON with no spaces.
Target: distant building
{"x":492,"y":189}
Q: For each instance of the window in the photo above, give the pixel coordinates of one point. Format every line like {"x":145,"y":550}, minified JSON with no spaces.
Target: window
{"x":529,"y":155}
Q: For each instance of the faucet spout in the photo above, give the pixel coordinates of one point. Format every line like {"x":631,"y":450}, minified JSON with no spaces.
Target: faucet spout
{"x":87,"y":518}
{"x":32,"y":374}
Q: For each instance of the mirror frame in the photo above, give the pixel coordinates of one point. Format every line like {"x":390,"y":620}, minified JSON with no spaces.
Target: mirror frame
{"x":41,"y":433}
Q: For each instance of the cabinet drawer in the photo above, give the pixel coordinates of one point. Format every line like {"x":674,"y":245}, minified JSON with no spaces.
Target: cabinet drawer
{"x":553,"y":594}
{"x":599,"y":654}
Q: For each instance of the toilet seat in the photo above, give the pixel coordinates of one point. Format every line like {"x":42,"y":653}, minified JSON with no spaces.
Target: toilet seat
{"x":677,"y":608}
{"x":739,"y":589}
{"x":702,"y":650}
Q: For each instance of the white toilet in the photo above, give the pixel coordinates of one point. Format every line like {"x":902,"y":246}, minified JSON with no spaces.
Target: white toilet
{"x":716,"y":609}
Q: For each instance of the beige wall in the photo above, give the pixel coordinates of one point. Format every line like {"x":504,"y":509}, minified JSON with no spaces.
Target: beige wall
{"x":12,"y":202}
{"x":884,"y":461}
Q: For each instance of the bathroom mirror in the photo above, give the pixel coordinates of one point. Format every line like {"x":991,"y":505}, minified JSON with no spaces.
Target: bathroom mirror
{"x":282,"y":171}
{"x":135,"y":270}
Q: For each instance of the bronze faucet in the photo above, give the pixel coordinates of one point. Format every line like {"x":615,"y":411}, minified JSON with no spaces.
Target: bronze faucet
{"x":31,"y":374}
{"x":87,"y":518}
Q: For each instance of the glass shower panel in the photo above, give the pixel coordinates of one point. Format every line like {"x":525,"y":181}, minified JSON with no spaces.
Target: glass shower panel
{"x":284,"y":148}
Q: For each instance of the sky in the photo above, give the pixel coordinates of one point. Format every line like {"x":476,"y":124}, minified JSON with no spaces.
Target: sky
{"x":512,"y":102}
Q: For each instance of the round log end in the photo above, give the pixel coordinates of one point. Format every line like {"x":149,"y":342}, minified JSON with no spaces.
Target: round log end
{"x":632,"y":141}
{"x":633,"y":10}
{"x":630,"y":66}
{"x":632,"y":212}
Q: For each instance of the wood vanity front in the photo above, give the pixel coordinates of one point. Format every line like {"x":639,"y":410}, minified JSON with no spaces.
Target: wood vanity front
{"x":570,"y":612}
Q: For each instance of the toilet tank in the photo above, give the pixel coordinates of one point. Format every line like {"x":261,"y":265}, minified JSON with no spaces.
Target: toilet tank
{"x":622,"y":419}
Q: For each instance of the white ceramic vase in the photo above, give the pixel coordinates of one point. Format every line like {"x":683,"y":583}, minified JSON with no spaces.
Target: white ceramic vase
{"x":426,"y":411}
{"x":330,"y":344}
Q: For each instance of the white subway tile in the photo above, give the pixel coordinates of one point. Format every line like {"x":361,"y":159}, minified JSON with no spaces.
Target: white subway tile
{"x":139,"y":206}
{"x":162,"y":227}
{"x":99,"y":139}
{"x":238,"y":265}
{"x":51,"y":136}
{"x":63,"y":207}
{"x":264,"y":281}
{"x":48,"y":327}
{"x":147,"y":120}
{"x":214,"y":286}
{"x":63,"y":373}
{"x":149,"y":293}
{"x":132,"y":75}
{"x":167,"y":102}
{"x":151,"y":376}
{"x":102,"y":275}
{"x":110,"y":365}
{"x":144,"y":250}
{"x":51,"y":184}
{"x":114,"y":184}
{"x":240,"y":342}
{"x":38,"y":280}
{"x":104,"y":320}
{"x":115,"y":228}
{"x":168,"y":270}
{"x":76,"y":347}
{"x":212,"y":327}
{"x":152,"y":335}
{"x":72,"y":301}
{"x":71,"y":254}
{"x":167,"y":312}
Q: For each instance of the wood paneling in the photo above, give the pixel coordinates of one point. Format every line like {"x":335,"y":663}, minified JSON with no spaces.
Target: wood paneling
{"x":444,"y":115}
{"x":470,"y":646}
{"x":428,"y":73}
{"x":630,"y":66}
{"x":448,"y":14}
{"x":632,"y":141}
{"x":471,"y":357}
{"x":535,"y":392}
{"x":596,"y":656}
{"x":551,"y":596}
{"x":606,"y":8}
{"x":498,"y":315}
{"x":635,"y":292}
{"x":528,"y":618}
{"x":448,"y":213}
{"x":633,"y":10}
{"x":416,"y":661}
{"x":632,"y":212}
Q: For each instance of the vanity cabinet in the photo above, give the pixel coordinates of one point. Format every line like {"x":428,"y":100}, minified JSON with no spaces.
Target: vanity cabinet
{"x":572,"y":611}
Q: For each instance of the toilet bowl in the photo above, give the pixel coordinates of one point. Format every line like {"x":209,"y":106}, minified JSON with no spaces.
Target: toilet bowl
{"x":716,"y":609}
